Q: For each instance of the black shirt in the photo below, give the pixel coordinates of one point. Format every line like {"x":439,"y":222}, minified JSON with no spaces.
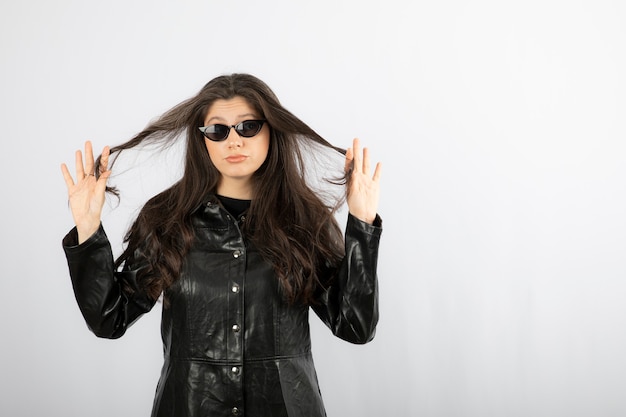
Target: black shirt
{"x":234,"y":206}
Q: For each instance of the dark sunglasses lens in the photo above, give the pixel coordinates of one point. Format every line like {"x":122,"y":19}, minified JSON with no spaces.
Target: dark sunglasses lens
{"x":249,"y":128}
{"x":217,"y":132}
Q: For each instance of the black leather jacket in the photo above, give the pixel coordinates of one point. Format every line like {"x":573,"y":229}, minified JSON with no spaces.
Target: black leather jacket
{"x":232,"y":346}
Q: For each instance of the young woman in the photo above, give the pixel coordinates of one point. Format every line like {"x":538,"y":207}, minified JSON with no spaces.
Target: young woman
{"x":240,"y":248}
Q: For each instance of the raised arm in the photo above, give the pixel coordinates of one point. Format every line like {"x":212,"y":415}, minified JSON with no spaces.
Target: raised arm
{"x":109,"y":300}
{"x":349,"y":306}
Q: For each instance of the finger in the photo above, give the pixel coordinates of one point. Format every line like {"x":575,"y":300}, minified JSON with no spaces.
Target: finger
{"x":366,"y":161}
{"x":356,"y":149}
{"x":80,"y":170}
{"x":69,"y":181}
{"x":349,"y":156}
{"x":88,"y":158}
{"x":102,"y":182}
{"x":104,"y":159}
{"x":377,"y":171}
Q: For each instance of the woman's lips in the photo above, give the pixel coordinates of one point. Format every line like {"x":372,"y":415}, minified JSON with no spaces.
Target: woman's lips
{"x":236,"y":158}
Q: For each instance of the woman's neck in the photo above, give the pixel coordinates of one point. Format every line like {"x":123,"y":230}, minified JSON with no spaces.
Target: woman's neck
{"x":231,"y":188}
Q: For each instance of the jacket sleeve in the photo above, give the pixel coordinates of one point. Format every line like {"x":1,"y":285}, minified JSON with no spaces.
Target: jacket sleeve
{"x":110,"y":301}
{"x":349,"y":306}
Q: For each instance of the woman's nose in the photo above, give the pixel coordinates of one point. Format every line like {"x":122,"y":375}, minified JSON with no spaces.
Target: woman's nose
{"x":233,"y":138}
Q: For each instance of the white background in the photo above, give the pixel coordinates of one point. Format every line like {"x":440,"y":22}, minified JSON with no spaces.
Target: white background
{"x":501,"y":128}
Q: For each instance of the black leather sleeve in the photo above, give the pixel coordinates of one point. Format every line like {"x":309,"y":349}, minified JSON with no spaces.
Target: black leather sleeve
{"x":349,"y":306}
{"x":110,"y":301}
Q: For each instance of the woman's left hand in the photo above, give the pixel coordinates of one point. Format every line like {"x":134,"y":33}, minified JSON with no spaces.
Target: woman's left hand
{"x":363,"y":190}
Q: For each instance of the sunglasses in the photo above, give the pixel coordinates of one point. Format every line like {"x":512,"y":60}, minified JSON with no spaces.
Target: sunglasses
{"x":245,"y":129}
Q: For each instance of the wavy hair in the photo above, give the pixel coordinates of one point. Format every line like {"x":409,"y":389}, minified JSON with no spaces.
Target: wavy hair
{"x":290,"y":223}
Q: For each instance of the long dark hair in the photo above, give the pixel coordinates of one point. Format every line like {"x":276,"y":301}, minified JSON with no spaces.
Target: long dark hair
{"x":292,"y":226}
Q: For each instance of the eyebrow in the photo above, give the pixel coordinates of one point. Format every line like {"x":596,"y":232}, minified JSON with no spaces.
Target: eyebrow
{"x":241,"y":116}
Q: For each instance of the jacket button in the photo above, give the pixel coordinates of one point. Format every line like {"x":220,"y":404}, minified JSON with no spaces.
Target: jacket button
{"x":235,"y":411}
{"x":235,"y":288}
{"x":237,"y":253}
{"x":235,"y":370}
{"x":236,"y":328}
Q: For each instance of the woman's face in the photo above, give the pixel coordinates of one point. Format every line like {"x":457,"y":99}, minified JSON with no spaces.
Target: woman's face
{"x":236,"y":157}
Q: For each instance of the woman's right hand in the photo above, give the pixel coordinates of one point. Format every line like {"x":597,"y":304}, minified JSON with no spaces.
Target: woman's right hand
{"x":86,"y":195}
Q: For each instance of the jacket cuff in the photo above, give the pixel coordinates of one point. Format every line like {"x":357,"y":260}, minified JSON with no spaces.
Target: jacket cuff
{"x":375,"y":228}
{"x":71,"y":245}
